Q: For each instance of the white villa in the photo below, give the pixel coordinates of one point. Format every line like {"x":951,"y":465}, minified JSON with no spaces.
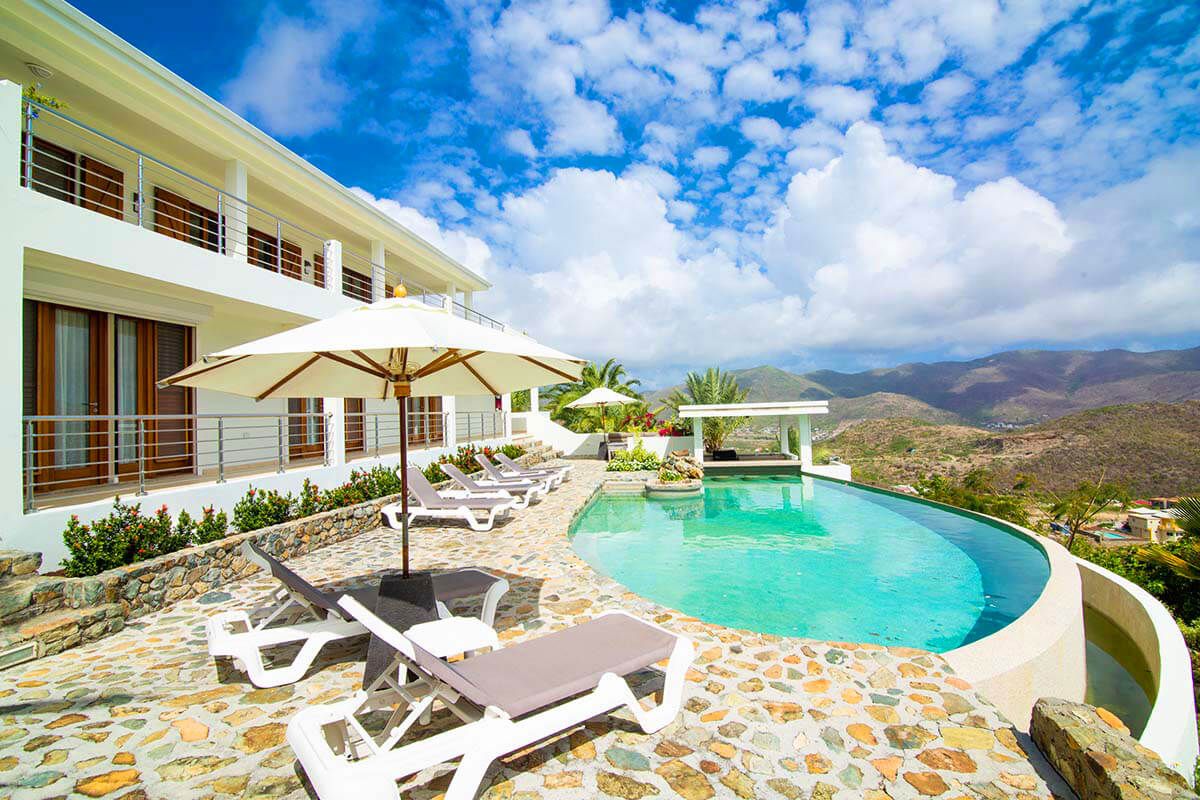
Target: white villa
{"x":145,"y":224}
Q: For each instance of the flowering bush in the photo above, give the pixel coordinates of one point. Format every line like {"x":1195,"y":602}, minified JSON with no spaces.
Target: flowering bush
{"x":674,"y":428}
{"x":635,"y":460}
{"x":212,"y":526}
{"x":464,"y":459}
{"x":127,"y":536}
{"x":261,"y":509}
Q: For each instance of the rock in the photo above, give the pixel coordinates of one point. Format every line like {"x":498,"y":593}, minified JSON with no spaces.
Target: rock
{"x":946,"y":759}
{"x":621,"y":758}
{"x":907,"y":737}
{"x":623,"y":786}
{"x":741,"y":784}
{"x":968,"y":738}
{"x":1098,"y":758}
{"x":929,"y":784}
{"x":100,"y":785}
{"x":888,"y":766}
{"x":190,"y":730}
{"x":689,"y":783}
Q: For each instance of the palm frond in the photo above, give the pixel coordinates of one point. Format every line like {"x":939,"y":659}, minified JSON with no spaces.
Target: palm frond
{"x":1187,"y":566}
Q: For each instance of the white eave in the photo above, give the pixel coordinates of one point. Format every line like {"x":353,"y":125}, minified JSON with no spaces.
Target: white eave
{"x":775,"y":409}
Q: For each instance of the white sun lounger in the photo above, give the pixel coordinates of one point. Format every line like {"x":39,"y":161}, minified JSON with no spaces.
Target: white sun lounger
{"x":461,"y":505}
{"x":495,"y":473}
{"x":522,"y":491}
{"x":234,"y":634}
{"x":508,"y":699}
{"x":516,"y":470}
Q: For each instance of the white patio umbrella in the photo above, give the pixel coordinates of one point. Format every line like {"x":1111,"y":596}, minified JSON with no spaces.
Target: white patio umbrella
{"x":392,"y":348}
{"x":602,"y":397}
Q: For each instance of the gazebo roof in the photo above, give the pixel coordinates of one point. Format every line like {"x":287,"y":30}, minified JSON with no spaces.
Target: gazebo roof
{"x":771,"y":409}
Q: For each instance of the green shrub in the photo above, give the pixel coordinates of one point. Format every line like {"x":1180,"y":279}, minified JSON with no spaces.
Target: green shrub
{"x":262,"y":509}
{"x":636,"y":460}
{"x":212,"y":526}
{"x":123,"y":537}
{"x":513,"y":451}
{"x":669,"y":476}
{"x":310,"y":501}
{"x":942,"y":490}
{"x":433,"y":473}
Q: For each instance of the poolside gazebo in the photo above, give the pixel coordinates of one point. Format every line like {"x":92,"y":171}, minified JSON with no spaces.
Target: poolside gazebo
{"x":800,"y":409}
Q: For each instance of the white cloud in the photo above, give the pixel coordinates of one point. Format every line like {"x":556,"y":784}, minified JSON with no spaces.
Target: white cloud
{"x":465,"y":248}
{"x":840,"y":103}
{"x":757,"y":82}
{"x":666,"y":184}
{"x":583,"y":126}
{"x":762,"y":131}
{"x":705,"y":158}
{"x":943,"y":94}
{"x":519,"y":141}
{"x":286,"y":81}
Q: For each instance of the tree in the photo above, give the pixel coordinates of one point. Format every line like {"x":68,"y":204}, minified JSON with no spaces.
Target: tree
{"x":1185,"y":563}
{"x":611,"y":375}
{"x":1077,"y":508}
{"x":711,"y":388}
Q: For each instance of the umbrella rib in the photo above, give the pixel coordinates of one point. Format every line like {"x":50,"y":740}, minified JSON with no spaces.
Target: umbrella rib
{"x":549,"y":368}
{"x":478,"y":377}
{"x":372,"y":362}
{"x":347,"y":362}
{"x":226,"y":361}
{"x":403,"y":360}
{"x":459,"y":358}
{"x":289,"y":376}
{"x":436,"y":364}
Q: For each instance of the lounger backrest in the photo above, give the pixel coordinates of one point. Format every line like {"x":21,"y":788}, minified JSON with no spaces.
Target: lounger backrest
{"x":457,"y":474}
{"x":419,"y":485}
{"x":446,"y":673}
{"x":508,"y":462}
{"x":402,"y":603}
{"x":321,"y":603}
{"x":488,"y":466}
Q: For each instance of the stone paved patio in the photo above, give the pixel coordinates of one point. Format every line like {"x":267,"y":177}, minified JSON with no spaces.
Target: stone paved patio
{"x":146,"y":714}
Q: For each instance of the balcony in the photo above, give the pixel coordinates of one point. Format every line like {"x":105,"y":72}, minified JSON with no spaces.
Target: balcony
{"x":70,"y":460}
{"x":66,"y":159}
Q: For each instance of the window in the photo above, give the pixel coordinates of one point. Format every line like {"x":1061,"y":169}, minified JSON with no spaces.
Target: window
{"x":181,"y":219}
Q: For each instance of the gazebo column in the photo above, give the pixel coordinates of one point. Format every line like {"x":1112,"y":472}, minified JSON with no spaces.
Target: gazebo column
{"x":783,"y":437}
{"x":698,"y":438}
{"x":802,"y":424}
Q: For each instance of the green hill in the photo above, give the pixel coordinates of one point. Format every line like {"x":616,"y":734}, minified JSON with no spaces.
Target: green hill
{"x":1151,"y":448}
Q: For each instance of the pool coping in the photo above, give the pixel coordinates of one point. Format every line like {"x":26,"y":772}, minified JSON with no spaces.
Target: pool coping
{"x":1041,"y":653}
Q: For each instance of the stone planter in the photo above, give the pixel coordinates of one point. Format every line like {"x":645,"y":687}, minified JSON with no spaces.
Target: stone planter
{"x":688,"y":488}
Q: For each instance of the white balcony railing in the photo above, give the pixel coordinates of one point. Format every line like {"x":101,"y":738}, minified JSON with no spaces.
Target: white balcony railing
{"x":75,"y":457}
{"x":69,"y":160}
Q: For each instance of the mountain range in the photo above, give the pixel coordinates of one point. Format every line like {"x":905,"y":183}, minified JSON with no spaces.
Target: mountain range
{"x":1017,"y":387}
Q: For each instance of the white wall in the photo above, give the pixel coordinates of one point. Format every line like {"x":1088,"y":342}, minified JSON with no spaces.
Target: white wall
{"x":1171,"y":729}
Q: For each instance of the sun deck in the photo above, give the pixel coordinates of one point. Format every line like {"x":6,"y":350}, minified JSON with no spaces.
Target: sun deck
{"x":764,"y":716}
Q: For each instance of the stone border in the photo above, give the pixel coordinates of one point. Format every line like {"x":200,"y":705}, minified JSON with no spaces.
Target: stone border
{"x":1171,"y":729}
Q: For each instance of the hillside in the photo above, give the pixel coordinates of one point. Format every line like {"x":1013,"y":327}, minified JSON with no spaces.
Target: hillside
{"x":1151,"y":448}
{"x":1019,"y":387}
{"x":846,"y":411}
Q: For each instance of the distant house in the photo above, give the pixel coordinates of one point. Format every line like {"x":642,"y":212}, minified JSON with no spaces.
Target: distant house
{"x":1164,"y":503}
{"x":1155,"y":524}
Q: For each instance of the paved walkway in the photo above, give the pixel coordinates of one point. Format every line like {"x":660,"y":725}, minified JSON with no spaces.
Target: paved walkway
{"x":145,"y":714}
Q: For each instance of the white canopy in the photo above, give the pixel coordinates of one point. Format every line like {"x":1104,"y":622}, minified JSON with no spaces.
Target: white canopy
{"x":773,"y":409}
{"x":602,"y":396}
{"x":373,"y":350}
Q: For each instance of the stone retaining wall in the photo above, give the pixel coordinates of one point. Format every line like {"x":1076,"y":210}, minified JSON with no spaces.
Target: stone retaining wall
{"x":1097,"y":757}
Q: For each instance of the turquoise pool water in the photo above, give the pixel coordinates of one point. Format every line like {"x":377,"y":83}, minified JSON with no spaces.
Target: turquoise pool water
{"x":815,"y":558}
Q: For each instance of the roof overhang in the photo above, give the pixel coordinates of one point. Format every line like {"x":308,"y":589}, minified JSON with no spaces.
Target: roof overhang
{"x":784,"y":409}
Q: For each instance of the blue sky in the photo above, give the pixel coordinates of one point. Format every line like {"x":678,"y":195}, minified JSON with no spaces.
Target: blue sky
{"x":821,"y":185}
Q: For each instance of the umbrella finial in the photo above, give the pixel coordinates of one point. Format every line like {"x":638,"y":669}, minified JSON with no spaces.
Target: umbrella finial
{"x":400,"y":291}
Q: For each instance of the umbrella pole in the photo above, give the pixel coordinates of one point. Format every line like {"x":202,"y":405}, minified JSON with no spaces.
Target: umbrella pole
{"x":403,"y":403}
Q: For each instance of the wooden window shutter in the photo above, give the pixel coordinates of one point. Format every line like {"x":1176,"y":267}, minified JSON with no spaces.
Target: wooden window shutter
{"x":170,"y":214}
{"x":103,"y":188}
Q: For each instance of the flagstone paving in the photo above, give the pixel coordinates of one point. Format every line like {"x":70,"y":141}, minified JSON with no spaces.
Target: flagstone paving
{"x":146,"y":714}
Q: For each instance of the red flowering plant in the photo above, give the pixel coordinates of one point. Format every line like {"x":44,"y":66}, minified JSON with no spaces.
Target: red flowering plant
{"x":261,"y":509}
{"x":125,"y":536}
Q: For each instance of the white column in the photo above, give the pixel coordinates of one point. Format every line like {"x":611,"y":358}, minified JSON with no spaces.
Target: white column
{"x":335,"y":430}
{"x":333,"y":266}
{"x":698,"y":438}
{"x":802,"y":423}
{"x":236,"y":187}
{"x":451,"y":294}
{"x":534,"y":401}
{"x":783,"y":437}
{"x":450,"y":426}
{"x":378,"y":278}
{"x":469,"y":300}
{"x":506,"y":410}
{"x":12,"y":255}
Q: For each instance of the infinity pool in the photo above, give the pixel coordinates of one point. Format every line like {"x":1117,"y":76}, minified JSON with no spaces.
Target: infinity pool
{"x":816,"y":558}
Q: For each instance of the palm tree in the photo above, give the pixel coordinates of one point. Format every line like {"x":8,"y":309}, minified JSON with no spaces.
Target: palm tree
{"x":1186,"y":563}
{"x":610,"y":375}
{"x":712,"y":387}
